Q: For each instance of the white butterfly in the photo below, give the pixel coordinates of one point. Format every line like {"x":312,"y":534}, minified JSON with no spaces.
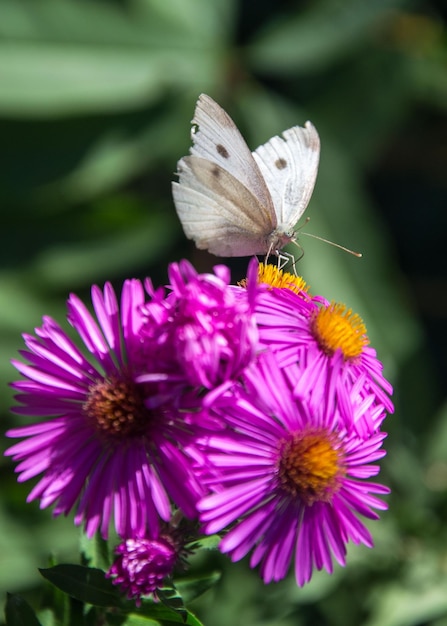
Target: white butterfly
{"x":234,"y":202}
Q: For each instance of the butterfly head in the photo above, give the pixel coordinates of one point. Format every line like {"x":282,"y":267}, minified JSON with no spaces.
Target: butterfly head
{"x":279,"y":238}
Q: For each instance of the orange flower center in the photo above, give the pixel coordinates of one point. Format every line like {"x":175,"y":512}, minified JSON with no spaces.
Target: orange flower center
{"x":337,"y":328}
{"x":116,"y":407}
{"x":271,"y":275}
{"x":311,"y":466}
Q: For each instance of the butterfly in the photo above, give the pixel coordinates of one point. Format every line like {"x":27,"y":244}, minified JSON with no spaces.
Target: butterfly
{"x":233,"y":202}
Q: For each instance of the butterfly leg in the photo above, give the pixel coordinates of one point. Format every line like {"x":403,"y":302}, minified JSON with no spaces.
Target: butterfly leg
{"x":284,"y":258}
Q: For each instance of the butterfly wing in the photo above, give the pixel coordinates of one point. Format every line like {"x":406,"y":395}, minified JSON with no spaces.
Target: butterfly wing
{"x":216,"y":138}
{"x":289,"y":165}
{"x":221,"y":198}
{"x":217,"y":211}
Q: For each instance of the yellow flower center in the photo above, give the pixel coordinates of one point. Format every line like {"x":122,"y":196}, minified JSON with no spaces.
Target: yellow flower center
{"x":116,"y":408}
{"x":311,"y":466}
{"x":337,"y":328}
{"x":271,"y":275}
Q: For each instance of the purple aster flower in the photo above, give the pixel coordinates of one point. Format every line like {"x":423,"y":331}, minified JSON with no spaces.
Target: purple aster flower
{"x":142,"y":564}
{"x":105,"y":448}
{"x":205,"y":328}
{"x":307,"y":333}
{"x":288,"y":480}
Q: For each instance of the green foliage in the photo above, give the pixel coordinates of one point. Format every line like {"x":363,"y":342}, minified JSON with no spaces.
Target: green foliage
{"x":19,"y":613}
{"x":86,"y":584}
{"x":95,"y":106}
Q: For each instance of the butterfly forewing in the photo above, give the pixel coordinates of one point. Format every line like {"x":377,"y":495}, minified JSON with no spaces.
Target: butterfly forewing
{"x":216,"y":138}
{"x":289,"y":165}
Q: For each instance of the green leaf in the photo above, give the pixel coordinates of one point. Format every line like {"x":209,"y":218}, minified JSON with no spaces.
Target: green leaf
{"x":90,"y":585}
{"x":166,"y":616}
{"x":193,"y":587}
{"x":84,"y":583}
{"x":141,"y":620}
{"x":55,"y":61}
{"x":19,"y":613}
{"x":207,"y":543}
{"x":137,"y":620}
{"x":95,"y":551}
{"x":407,"y":605}
{"x":170,"y":597}
{"x":40,"y":79}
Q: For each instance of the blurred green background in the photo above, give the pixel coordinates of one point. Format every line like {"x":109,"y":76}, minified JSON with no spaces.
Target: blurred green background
{"x":96,"y":100}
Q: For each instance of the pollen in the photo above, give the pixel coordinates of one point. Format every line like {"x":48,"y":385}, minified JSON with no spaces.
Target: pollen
{"x":116,"y":408}
{"x":337,"y":328}
{"x":270,"y":275}
{"x":311,"y":466}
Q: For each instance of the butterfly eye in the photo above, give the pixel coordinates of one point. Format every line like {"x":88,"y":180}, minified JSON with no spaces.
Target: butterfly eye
{"x":194,"y":129}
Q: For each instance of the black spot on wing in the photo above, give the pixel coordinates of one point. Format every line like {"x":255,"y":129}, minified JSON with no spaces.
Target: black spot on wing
{"x":281,"y":163}
{"x":215,"y":172}
{"x":222,"y":151}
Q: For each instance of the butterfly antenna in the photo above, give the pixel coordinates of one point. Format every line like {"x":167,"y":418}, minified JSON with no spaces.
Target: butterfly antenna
{"x":336,"y":245}
{"x":331,"y":243}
